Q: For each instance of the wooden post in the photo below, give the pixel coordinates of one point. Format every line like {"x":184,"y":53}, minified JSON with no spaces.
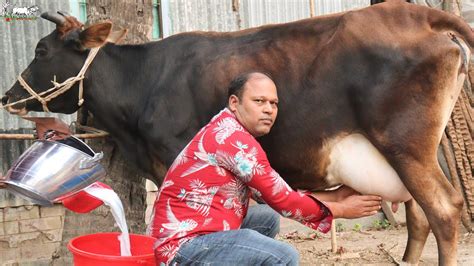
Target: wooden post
{"x":333,"y":237}
{"x":311,"y":8}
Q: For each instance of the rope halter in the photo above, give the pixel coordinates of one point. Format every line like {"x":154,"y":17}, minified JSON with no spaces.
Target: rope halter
{"x":58,"y":88}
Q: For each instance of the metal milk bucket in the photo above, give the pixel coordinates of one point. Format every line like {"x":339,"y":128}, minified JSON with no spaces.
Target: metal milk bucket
{"x":49,"y":171}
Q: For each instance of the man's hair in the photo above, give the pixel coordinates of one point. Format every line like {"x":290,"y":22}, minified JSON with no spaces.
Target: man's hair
{"x":237,"y":85}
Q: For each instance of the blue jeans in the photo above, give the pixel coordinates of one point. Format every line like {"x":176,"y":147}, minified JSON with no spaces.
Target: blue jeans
{"x":253,"y":244}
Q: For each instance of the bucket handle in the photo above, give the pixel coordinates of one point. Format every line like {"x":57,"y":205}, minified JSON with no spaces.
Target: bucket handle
{"x":88,"y":163}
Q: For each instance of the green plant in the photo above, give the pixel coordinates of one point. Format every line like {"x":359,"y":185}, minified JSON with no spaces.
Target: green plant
{"x":357,"y":227}
{"x":380,"y":225}
{"x":377,"y":224}
{"x":340,"y":227}
{"x":385,"y":224}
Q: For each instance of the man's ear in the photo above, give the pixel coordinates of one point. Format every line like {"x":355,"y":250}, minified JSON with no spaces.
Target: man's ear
{"x":233,"y":102}
{"x":95,"y":35}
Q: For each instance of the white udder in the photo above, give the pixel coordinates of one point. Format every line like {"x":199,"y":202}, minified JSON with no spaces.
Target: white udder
{"x":355,"y":162}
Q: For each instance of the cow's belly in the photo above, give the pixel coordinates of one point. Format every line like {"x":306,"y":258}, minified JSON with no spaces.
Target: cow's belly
{"x":355,"y":162}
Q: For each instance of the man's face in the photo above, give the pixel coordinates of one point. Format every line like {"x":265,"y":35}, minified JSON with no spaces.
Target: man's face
{"x":257,"y":109}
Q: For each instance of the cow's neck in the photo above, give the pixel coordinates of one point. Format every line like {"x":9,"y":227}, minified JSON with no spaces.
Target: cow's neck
{"x":115,"y":92}
{"x":116,"y":81}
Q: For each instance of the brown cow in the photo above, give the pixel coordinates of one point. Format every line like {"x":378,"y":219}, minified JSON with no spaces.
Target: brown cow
{"x":360,"y":105}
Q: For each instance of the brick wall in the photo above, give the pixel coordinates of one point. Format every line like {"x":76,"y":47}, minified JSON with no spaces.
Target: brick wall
{"x":30,"y":235}
{"x":35,"y":235}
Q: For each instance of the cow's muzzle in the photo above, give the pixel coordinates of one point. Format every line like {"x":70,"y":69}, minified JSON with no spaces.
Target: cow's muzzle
{"x":16,"y":109}
{"x":4,"y":100}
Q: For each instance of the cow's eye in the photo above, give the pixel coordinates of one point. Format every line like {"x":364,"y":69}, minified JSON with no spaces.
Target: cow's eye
{"x":40,"y":52}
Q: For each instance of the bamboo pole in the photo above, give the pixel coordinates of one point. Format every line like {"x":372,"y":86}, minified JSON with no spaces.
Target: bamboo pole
{"x":333,"y":236}
{"x":31,"y":136}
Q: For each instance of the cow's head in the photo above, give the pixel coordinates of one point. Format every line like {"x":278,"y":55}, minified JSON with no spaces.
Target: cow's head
{"x":58,"y":56}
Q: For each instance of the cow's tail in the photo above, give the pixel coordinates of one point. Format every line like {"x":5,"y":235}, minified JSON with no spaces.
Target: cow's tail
{"x":441,"y":20}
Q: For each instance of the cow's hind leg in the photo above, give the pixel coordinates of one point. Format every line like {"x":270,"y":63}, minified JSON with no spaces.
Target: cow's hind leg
{"x":410,"y":136}
{"x":418,"y":230}
{"x":441,"y":204}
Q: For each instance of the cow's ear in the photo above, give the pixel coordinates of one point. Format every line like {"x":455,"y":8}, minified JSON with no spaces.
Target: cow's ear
{"x":95,"y":35}
{"x":116,"y":36}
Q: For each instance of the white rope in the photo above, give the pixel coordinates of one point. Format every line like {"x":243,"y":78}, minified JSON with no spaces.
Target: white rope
{"x":58,"y":88}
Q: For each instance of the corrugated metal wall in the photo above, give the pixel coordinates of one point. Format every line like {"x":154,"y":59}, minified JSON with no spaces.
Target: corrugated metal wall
{"x":17,"y":44}
{"x":218,"y":15}
{"x":208,"y":15}
{"x":256,"y":13}
{"x":468,"y":11}
{"x":331,"y":6}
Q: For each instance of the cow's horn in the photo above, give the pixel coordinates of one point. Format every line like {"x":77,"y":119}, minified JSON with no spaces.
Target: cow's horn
{"x":64,"y":13}
{"x":56,"y":18}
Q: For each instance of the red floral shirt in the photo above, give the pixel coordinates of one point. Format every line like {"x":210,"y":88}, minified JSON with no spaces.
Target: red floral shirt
{"x":207,"y":188}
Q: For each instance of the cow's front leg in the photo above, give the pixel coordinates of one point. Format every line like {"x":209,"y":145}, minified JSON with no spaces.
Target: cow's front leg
{"x":418,"y":230}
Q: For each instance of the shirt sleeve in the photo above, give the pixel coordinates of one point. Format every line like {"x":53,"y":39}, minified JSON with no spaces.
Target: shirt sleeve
{"x":245,"y":158}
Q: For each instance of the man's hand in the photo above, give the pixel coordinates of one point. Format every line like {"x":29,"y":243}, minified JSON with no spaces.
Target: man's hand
{"x":343,"y":192}
{"x":60,"y":130}
{"x":335,"y":195}
{"x":354,"y":205}
{"x":2,"y":185}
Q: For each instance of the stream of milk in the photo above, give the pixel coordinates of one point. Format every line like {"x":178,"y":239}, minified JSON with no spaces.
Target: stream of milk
{"x":111,"y":199}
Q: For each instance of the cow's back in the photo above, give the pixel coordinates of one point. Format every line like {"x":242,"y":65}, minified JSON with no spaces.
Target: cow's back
{"x":379,"y":64}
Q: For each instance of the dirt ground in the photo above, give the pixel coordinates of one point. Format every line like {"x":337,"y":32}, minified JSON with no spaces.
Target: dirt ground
{"x":365,"y":247}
